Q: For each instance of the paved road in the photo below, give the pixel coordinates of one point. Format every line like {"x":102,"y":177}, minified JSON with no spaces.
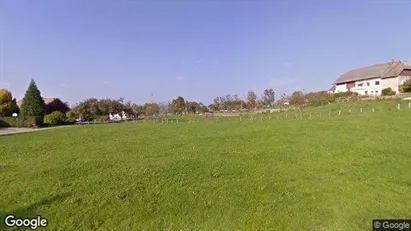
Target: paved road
{"x":9,"y":131}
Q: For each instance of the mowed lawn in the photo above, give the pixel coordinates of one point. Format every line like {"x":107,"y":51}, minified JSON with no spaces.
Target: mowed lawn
{"x":324,"y":173}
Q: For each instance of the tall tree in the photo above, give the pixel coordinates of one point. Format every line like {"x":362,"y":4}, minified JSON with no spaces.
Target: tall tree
{"x":87,"y":110}
{"x":252,"y":98}
{"x":269,"y":97}
{"x":178,"y":105}
{"x":8,"y":105}
{"x":151,"y":109}
{"x":116,"y":107}
{"x":33,"y":103}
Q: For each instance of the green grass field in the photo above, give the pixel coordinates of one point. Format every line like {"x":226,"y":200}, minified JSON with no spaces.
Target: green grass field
{"x":320,"y":173}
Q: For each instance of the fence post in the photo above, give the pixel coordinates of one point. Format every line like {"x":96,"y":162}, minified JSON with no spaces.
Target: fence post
{"x":409,"y":105}
{"x":349,"y":110}
{"x":399,"y":106}
{"x":339,"y":113}
{"x":361,"y":110}
{"x":241,"y":118}
{"x":373,"y":110}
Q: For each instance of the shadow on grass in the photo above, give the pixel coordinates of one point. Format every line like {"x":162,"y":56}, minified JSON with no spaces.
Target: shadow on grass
{"x":31,"y":211}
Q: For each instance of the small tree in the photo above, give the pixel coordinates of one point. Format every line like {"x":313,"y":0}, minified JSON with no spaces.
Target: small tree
{"x":297,"y":98}
{"x":387,"y":92}
{"x":252,"y":99}
{"x":33,"y":103}
{"x":406,"y":86}
{"x":8,"y":105}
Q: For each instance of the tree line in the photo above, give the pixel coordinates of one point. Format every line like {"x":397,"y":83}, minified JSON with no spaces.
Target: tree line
{"x":101,"y":109}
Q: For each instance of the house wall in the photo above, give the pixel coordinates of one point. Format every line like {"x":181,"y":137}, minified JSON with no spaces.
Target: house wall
{"x":368,"y":87}
{"x":392,"y":83}
{"x":402,"y":79}
{"x":341,"y":88}
{"x":395,"y":82}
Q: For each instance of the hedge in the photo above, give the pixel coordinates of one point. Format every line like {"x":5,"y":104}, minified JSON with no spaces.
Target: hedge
{"x":20,"y":121}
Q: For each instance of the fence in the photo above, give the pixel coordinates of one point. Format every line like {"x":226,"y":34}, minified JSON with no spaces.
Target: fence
{"x":309,"y":113}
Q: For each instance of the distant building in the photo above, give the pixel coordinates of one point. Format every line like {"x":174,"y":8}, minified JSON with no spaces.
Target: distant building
{"x":118,"y":116}
{"x":46,"y":101}
{"x":332,"y":89}
{"x":52,"y":104}
{"x":284,"y":101}
{"x":372,"y":79}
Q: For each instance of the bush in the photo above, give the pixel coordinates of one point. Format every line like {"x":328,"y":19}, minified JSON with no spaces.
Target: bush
{"x":54,"y":118}
{"x":387,"y":92}
{"x":21,"y":121}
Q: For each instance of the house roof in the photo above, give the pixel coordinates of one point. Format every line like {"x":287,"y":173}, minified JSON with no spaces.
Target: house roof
{"x":384,"y":70}
{"x":46,"y":101}
{"x":332,"y":88}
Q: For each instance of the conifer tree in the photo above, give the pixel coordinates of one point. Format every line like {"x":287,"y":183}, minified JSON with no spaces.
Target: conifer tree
{"x":33,"y":104}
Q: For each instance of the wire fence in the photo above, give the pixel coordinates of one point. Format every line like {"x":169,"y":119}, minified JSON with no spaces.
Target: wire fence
{"x":299,"y":114}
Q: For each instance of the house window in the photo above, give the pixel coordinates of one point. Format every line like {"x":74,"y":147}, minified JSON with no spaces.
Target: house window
{"x":376,"y":92}
{"x":366,"y":92}
{"x":372,"y":92}
{"x":359,"y":85}
{"x":377,"y":82}
{"x":368,"y":84}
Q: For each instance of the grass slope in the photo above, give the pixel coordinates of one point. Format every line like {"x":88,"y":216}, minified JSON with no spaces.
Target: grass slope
{"x":324,"y":173}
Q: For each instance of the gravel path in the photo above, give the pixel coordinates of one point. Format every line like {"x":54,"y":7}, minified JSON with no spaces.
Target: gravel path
{"x":10,"y":131}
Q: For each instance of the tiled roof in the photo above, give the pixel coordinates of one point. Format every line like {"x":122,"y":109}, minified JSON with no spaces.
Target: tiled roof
{"x":46,"y":101}
{"x":384,"y":70}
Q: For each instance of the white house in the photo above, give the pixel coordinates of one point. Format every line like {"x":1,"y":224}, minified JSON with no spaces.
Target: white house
{"x":372,"y":79}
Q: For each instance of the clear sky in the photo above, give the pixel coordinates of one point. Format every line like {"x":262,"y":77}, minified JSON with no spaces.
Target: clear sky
{"x":146,"y":50}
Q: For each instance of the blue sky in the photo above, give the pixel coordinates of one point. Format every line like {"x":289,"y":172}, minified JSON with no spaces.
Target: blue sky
{"x":156,"y":50}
